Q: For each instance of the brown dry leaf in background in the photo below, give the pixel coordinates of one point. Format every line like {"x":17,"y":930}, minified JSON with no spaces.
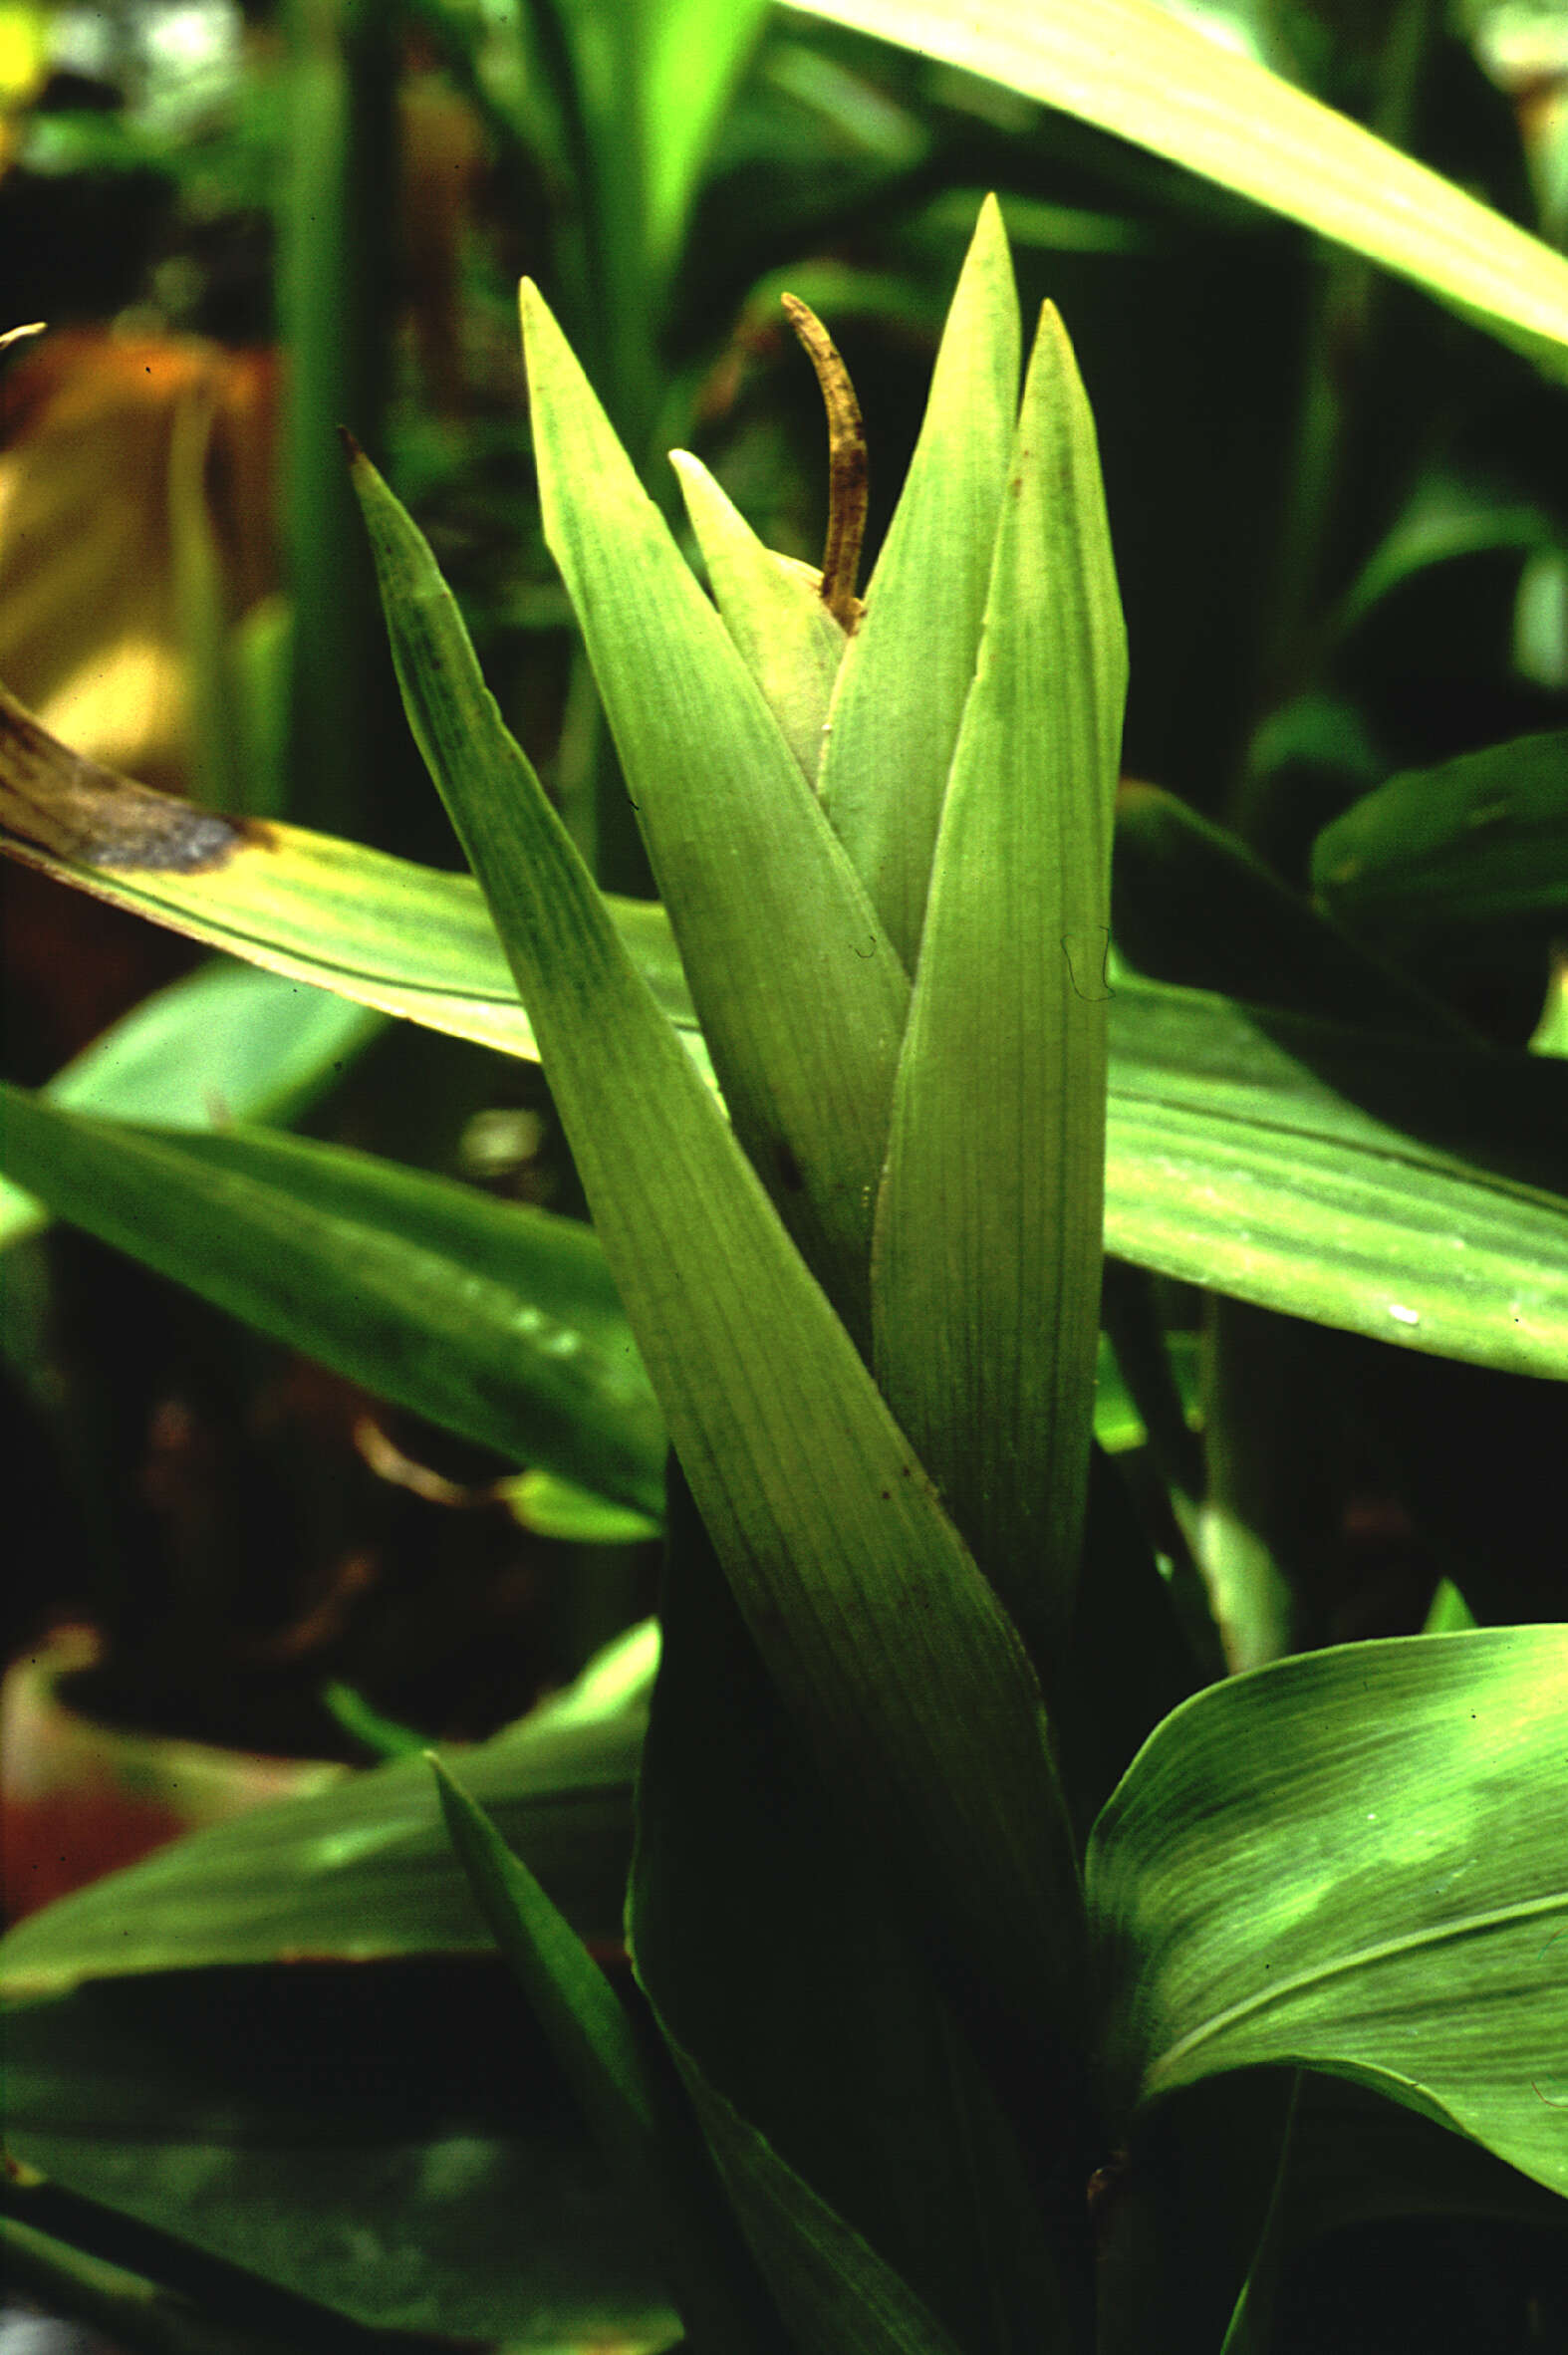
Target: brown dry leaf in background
{"x":89,"y":631}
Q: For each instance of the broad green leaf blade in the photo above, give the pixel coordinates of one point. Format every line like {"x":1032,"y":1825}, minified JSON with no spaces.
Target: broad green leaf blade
{"x":229,"y":1042}
{"x":1355,"y":1861}
{"x":1135,"y":70}
{"x":986,"y":1266}
{"x":1239,"y":1156}
{"x":788,"y":639}
{"x":364,"y":1872}
{"x":800,"y":997}
{"x":861,"y":2084}
{"x":495,"y":1321}
{"x":907,"y":675}
{"x":906,"y":1678}
{"x":389,"y":2143}
{"x":1477,"y":844}
{"x":383,"y":932}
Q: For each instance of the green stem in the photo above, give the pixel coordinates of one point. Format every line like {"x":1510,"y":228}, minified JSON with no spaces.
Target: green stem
{"x":335,"y":302}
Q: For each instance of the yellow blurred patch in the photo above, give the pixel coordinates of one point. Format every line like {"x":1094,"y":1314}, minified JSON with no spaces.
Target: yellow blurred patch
{"x":91,"y":632}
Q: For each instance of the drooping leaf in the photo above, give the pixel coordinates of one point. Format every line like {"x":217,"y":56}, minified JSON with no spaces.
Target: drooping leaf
{"x":1362,"y":1184}
{"x":494,"y":1320}
{"x":1356,"y":1861}
{"x":364,"y":1872}
{"x":229,"y":1042}
{"x":908,"y":671}
{"x":399,"y":937}
{"x":907,"y":1681}
{"x":1146,"y":75}
{"x":986,"y":1265}
{"x":800,"y":997}
{"x":1204,"y":1180}
{"x":790,"y":643}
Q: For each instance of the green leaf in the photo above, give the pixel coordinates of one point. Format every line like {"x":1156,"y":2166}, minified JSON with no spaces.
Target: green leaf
{"x":986,"y":1266}
{"x":553,"y":1507}
{"x":593,"y":2041}
{"x":800,"y":997}
{"x":229,"y":1042}
{"x":907,"y":672}
{"x":1191,"y":904}
{"x":834,"y":2293}
{"x":1360,"y":1182}
{"x":1354,"y":1861}
{"x":771,"y":605}
{"x":863,"y":2084}
{"x":1480,"y":842}
{"x":907,"y":1680}
{"x":403,"y":938}
{"x":494,"y":1320}
{"x":1230,"y":1131}
{"x":1145,"y":75}
{"x":390,"y":2143}
{"x":365,"y":1871}
{"x":693,"y":54}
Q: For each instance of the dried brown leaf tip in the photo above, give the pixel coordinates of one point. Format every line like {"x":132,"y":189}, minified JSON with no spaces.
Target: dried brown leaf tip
{"x":55,"y":801}
{"x":841,"y":562}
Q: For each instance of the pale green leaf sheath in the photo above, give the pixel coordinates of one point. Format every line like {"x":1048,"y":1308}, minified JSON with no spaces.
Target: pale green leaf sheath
{"x":905,"y":1677}
{"x":799,"y":994}
{"x":986,"y":1268}
{"x":906,"y":673}
{"x":1355,"y":1861}
{"x":773,"y":610}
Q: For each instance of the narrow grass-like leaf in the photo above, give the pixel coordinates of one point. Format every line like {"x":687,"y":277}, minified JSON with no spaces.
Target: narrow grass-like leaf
{"x":986,"y":1268}
{"x":907,"y":1680}
{"x":1356,"y":1861}
{"x":835,"y":2294}
{"x":584,"y":2023}
{"x":593,"y":2039}
{"x":693,"y":53}
{"x":496,"y":1321}
{"x":800,"y":996}
{"x":228,"y":1043}
{"x":1134,"y":69}
{"x":772,"y":608}
{"x":363,"y":1872}
{"x":907,"y":669}
{"x":1478,"y":842}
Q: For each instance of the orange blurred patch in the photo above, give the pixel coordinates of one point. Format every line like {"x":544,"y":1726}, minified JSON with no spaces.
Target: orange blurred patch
{"x":90,"y":626}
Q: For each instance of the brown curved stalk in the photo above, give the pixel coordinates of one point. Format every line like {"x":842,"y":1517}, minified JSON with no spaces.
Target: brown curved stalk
{"x":841,"y":560}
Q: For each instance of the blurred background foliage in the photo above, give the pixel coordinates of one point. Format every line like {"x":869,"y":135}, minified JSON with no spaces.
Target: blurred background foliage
{"x":1341,"y":520}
